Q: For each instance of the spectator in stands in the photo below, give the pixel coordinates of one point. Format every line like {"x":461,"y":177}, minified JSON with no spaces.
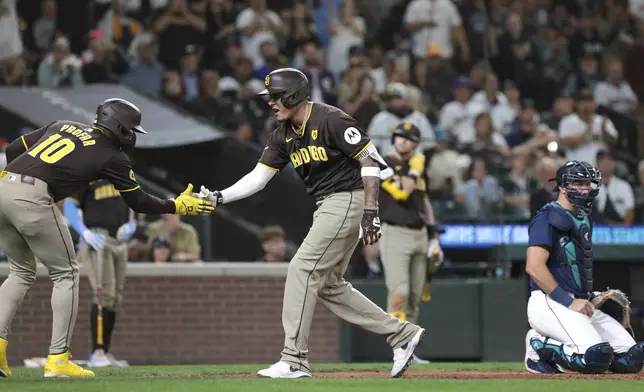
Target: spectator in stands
{"x":137,"y":246}
{"x":615,"y":93}
{"x":457,"y":117}
{"x":145,"y":73}
{"x":477,"y":76}
{"x":322,"y":81}
{"x":563,"y":106}
{"x":176,"y":28}
{"x":117,"y":27}
{"x":487,"y":140}
{"x":225,"y":65}
{"x":173,"y":90}
{"x":527,"y":133}
{"x":244,"y":131}
{"x":586,"y":42}
{"x":488,"y":98}
{"x":44,"y":28}
{"x":436,"y":21}
{"x":273,"y":240}
{"x":101,"y":63}
{"x":545,"y":170}
{"x":347,"y":29}
{"x":14,"y":72}
{"x":620,"y":29}
{"x":221,"y":15}
{"x":189,"y":71}
{"x":481,"y":192}
{"x":435,"y":78}
{"x":210,"y":104}
{"x":585,"y":77}
{"x":584,"y":133}
{"x":397,"y":111}
{"x":60,"y":68}
{"x":242,"y":84}
{"x":444,"y":170}
{"x":615,"y":202}
{"x":258,"y":24}
{"x":160,"y":251}
{"x":504,"y":114}
{"x":517,"y":188}
{"x":272,"y":59}
{"x":557,"y":65}
{"x":299,"y":29}
{"x":364,"y":103}
{"x":182,"y":237}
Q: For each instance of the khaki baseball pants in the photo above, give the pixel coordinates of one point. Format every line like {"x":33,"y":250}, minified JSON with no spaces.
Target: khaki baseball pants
{"x":31,"y":225}
{"x":114,"y":269}
{"x":403,"y":252}
{"x":316,"y":273}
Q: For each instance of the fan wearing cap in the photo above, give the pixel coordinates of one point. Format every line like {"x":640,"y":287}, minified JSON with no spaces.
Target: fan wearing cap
{"x":616,"y":203}
{"x":399,"y":110}
{"x":584,"y":133}
{"x":44,"y":167}
{"x":409,"y":247}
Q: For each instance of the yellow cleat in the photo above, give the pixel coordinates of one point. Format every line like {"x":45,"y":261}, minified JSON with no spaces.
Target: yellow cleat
{"x":59,"y":365}
{"x":4,"y":367}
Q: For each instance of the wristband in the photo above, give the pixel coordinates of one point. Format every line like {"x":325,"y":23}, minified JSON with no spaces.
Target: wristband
{"x":370,"y":171}
{"x":561,"y":296}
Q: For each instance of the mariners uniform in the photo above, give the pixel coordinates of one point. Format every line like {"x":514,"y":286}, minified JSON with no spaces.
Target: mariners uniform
{"x":44,"y":167}
{"x":104,"y":227}
{"x":568,"y":333}
{"x":326,"y":152}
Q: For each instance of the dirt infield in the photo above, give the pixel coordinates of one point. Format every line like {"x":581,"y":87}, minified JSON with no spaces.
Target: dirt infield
{"x":438,"y":375}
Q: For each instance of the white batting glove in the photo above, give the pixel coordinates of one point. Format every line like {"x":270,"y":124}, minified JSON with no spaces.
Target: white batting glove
{"x":95,"y":240}
{"x":435,"y":251}
{"x":215,"y":197}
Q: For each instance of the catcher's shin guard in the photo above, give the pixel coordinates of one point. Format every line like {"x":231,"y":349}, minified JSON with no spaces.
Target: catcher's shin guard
{"x":631,"y":361}
{"x":597,"y":359}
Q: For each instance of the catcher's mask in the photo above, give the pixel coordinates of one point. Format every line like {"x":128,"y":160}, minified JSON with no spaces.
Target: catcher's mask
{"x":571,"y":175}
{"x":288,"y":85}
{"x":122,"y":119}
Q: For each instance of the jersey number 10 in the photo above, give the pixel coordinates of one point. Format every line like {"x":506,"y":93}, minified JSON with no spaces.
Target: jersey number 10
{"x":54,"y":148}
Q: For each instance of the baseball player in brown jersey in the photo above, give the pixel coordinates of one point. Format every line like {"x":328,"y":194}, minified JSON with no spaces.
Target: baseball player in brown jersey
{"x":45,"y":167}
{"x":104,"y":227}
{"x":407,"y":217}
{"x":340,"y":168}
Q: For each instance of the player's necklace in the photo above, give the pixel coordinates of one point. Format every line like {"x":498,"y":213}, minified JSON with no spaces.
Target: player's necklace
{"x":309,"y":107}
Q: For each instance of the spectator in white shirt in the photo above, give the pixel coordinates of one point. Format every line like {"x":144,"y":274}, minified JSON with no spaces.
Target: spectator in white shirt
{"x":435,"y":21}
{"x":584,"y":133}
{"x":504,"y":114}
{"x":616,"y":201}
{"x":455,"y":117}
{"x":488,"y":98}
{"x":614,"y":92}
{"x":258,"y":24}
{"x":398,"y":110}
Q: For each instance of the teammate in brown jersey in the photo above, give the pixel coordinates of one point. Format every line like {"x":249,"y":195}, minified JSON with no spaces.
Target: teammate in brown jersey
{"x":44,"y":167}
{"x":340,"y":168}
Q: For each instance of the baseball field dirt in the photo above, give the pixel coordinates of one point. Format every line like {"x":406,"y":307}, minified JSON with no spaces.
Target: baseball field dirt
{"x":354,"y":377}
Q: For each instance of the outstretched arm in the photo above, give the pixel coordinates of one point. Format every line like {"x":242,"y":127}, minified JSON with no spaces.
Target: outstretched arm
{"x":248,"y":185}
{"x":371,"y":180}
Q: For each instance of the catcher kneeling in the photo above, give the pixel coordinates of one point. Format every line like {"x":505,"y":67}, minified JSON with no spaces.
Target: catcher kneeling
{"x":574,"y":328}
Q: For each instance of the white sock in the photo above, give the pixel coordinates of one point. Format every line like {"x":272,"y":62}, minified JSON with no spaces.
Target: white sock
{"x":374,"y":267}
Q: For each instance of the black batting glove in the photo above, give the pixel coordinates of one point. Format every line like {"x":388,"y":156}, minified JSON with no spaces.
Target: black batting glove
{"x":370,"y":226}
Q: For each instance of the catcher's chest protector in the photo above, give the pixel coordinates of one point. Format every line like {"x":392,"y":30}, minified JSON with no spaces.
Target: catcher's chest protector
{"x":573,"y":251}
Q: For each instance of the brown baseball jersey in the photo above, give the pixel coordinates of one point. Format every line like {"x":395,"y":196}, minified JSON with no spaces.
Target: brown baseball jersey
{"x":68,"y":156}
{"x":325,"y":155}
{"x":102,"y":207}
{"x":398,"y":207}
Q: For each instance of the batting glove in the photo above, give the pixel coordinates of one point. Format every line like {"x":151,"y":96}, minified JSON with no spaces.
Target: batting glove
{"x":215,"y":197}
{"x":187,"y":204}
{"x":95,"y":240}
{"x":435,"y":253}
{"x":370,"y":227}
{"x":126,"y":231}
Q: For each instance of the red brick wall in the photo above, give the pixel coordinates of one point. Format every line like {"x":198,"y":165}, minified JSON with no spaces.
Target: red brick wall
{"x":180,"y":320}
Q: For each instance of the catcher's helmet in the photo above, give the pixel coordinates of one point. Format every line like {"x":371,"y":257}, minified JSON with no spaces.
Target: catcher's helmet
{"x":289,"y":85}
{"x":575,"y":171}
{"x":408,"y":131}
{"x":121,"y":118}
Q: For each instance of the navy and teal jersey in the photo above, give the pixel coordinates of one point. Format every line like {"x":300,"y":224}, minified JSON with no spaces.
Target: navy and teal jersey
{"x":569,"y":239}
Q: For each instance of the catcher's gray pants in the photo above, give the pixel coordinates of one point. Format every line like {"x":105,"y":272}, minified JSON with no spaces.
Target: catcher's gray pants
{"x":316,"y":273}
{"x":403,"y":252}
{"x":31,"y":224}
{"x":114,"y":269}
{"x":576,"y":331}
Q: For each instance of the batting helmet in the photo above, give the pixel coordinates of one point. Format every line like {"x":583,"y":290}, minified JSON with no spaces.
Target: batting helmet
{"x":289,"y":85}
{"x":576,"y":171}
{"x":407,"y":130}
{"x":121,"y":118}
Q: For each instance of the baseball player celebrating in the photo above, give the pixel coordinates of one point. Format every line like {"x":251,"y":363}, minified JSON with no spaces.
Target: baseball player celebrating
{"x":45,"y":167}
{"x":340,"y":168}
{"x":406,"y":216}
{"x":569,"y":331}
{"x":104,"y":227}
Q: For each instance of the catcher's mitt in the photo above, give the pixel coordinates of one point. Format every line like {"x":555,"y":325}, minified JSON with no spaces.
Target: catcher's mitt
{"x":614,"y":303}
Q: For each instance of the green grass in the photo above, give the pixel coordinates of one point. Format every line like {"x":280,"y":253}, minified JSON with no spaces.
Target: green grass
{"x":204,"y":378}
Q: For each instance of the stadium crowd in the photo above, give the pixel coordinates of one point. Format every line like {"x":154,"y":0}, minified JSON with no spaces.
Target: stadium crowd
{"x":503,"y":91}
